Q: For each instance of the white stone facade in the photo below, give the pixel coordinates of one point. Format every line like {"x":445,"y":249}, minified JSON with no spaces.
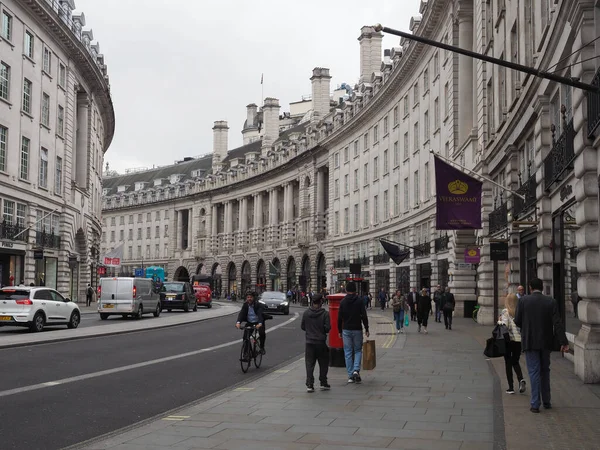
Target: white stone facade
{"x":56,"y":122}
{"x":308,"y":202}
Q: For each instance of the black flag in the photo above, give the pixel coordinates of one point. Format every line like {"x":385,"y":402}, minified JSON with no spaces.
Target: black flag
{"x":396,"y":253}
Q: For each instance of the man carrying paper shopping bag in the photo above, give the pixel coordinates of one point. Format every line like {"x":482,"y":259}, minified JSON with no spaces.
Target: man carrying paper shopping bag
{"x":352,"y":317}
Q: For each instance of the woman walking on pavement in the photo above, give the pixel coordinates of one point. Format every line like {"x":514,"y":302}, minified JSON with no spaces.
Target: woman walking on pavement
{"x":423,"y":309}
{"x":513,"y":348}
{"x":400,"y":308}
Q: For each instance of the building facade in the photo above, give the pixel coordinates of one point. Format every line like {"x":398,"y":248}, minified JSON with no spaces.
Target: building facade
{"x":56,"y":122}
{"x":309,"y":194}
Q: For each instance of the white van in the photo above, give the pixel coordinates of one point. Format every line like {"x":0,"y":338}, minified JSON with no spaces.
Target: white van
{"x":127,"y":296}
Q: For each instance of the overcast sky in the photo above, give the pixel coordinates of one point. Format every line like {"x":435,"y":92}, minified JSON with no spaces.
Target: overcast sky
{"x":176,"y":66}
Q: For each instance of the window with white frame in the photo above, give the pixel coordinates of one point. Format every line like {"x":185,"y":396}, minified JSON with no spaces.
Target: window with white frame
{"x":416,"y":136}
{"x":3,"y":146}
{"x":336,"y":188}
{"x":514,"y":55}
{"x":385,"y":125}
{"x":436,"y":114}
{"x":396,"y":200}
{"x":447,"y":149}
{"x":396,"y":154}
{"x":157,"y":231}
{"x":425,"y":80}
{"x":148,"y":233}
{"x":26,"y":96}
{"x":417,"y":193}
{"x":60,"y":121}
{"x":4,"y":80}
{"x":148,"y":251}
{"x":24,"y":162}
{"x":130,"y":234}
{"x":336,"y":222}
{"x":426,"y":126}
{"x":21,"y":214}
{"x":406,"y":145}
{"x":47,"y":61}
{"x":366,"y":141}
{"x":43,"y":176}
{"x":416,"y":93}
{"x":376,"y":209}
{"x":346,"y":220}
{"x":9,"y":212}
{"x":62,"y":75}
{"x":356,"y":180}
{"x":28,"y":44}
{"x":386,"y":162}
{"x":7,"y":26}
{"x":356,"y":148}
{"x":436,"y":65}
{"x":366,"y":218}
{"x":157,"y":250}
{"x":526,"y":160}
{"x":139,"y":234}
{"x":139,"y":252}
{"x":58,"y":176}
{"x":427,"y":187}
{"x":406,"y":106}
{"x":366,"y":174}
{"x":447,"y":100}
{"x":490,"y":113}
{"x":406,"y":195}
{"x":375,"y":168}
{"x":346,"y":184}
{"x":386,"y":205}
{"x":356,"y":217}
{"x":46,"y":110}
{"x":346,"y":154}
{"x":502,"y":90}
{"x":396,"y":118}
{"x":529,"y":32}
{"x":336,"y":160}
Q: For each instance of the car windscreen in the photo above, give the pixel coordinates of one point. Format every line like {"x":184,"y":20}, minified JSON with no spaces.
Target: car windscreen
{"x":10,"y":294}
{"x":273,"y":296}
{"x":173,"y":287}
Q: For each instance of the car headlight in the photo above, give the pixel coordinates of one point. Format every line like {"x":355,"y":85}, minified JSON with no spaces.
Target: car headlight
{"x":284,"y":303}
{"x":261,"y":302}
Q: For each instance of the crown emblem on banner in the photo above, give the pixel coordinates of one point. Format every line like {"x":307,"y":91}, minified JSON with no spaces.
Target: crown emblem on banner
{"x":458,"y":187}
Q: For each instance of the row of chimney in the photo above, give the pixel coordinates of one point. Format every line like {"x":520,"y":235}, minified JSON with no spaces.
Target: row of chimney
{"x":267,"y":126}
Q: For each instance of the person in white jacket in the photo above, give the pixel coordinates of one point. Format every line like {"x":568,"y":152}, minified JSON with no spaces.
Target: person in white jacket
{"x":513,"y":348}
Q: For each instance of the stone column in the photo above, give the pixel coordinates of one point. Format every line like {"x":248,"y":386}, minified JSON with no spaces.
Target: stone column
{"x":485,"y":269}
{"x":258,"y":218}
{"x":320,"y":202}
{"x":465,"y":68}
{"x":587,"y":168}
{"x":463,"y":280}
{"x":228,"y":240}
{"x":179,"y":232}
{"x":189,"y":229}
{"x":82,"y":140}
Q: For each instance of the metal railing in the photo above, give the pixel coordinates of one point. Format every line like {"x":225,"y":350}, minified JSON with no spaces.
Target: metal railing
{"x":561,"y":157}
{"x":47,"y":240}
{"x":362,"y":260}
{"x":381,"y":258}
{"x":341,"y":263}
{"x":498,"y":218}
{"x":422,"y":250}
{"x":441,"y":243}
{"x":593,"y":106}
{"x":9,"y":231}
{"x":527,"y":189}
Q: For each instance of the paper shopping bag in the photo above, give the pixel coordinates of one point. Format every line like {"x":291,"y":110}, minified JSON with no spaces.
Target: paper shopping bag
{"x":369,"y":357}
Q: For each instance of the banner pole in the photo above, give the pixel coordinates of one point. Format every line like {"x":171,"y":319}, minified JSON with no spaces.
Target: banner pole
{"x":449,"y":161}
{"x":398,"y":243}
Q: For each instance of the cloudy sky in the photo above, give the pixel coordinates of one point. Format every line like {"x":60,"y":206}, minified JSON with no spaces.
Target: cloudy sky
{"x":176,"y":66}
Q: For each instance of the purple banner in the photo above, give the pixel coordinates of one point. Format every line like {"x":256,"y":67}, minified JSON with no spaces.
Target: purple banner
{"x":472,"y":255}
{"x":458,"y":198}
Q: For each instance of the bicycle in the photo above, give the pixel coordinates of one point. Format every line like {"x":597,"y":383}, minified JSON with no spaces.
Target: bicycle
{"x":250,"y":348}
{"x":475,"y":312}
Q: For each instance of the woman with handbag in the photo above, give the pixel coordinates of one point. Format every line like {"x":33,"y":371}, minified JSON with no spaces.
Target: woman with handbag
{"x":400,"y":308}
{"x":423,"y":309}
{"x":513,"y":347}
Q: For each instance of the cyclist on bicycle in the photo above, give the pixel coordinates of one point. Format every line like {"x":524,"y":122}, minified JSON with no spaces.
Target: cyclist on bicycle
{"x":252,"y":314}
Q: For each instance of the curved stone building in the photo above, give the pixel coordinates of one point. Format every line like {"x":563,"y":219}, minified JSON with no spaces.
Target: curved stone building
{"x":313,"y":190}
{"x":56,"y":122}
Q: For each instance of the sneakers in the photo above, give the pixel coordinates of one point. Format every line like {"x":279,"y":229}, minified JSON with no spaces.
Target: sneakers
{"x":398,"y":331}
{"x":419,"y":328}
{"x":401,"y":330}
{"x":350,"y":380}
{"x":510,"y":391}
{"x":356,"y":376}
{"x":522,"y":386}
{"x":310,"y":389}
{"x":263,"y":351}
{"x":425,"y":330}
{"x":325,"y":387}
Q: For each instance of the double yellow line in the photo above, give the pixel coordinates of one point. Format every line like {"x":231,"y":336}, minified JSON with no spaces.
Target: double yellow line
{"x":389,"y":342}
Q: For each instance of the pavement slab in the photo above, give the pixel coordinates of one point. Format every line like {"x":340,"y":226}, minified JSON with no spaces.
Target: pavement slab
{"x":434,"y":391}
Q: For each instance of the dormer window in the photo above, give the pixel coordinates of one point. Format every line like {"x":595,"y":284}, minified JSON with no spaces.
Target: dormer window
{"x":122,"y":188}
{"x":158,"y":182}
{"x":197,"y":173}
{"x":140,"y":185}
{"x":174,"y":178}
{"x":105,"y":191}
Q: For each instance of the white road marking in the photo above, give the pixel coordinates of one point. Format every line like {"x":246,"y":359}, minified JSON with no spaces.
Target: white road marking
{"x":101,"y":373}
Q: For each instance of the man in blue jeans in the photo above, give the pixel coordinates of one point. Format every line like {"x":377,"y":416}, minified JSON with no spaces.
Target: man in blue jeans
{"x":540,"y":323}
{"x":352,"y":316}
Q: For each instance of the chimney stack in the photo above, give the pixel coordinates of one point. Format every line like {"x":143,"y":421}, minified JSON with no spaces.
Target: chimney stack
{"x":250,"y":130}
{"x":320,"y":92}
{"x":220,"y":144}
{"x":370,"y":52}
{"x":270,"y":122}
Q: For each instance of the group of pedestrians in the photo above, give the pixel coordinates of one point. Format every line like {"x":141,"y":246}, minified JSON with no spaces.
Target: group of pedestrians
{"x":419,"y":306}
{"x":536,"y":329}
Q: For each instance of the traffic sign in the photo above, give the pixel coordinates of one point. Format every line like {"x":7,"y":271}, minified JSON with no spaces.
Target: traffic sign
{"x":139,"y":272}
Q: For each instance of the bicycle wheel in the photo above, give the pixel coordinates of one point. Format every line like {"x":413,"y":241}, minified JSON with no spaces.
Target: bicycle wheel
{"x":475,"y":315}
{"x":245,"y":357}
{"x":257,"y":355}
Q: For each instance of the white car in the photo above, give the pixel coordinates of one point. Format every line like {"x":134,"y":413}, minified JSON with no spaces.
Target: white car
{"x":35,"y":307}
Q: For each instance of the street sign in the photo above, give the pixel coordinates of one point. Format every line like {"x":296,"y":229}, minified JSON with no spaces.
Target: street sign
{"x":139,"y":272}
{"x":464,"y":266}
{"x":38,"y":253}
{"x":499,"y":251}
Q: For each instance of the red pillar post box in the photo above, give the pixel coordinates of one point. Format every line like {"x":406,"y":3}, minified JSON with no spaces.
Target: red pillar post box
{"x":336,"y":345}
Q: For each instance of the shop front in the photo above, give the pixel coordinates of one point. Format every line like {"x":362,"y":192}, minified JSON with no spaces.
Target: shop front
{"x":12,"y":262}
{"x":46,"y":269}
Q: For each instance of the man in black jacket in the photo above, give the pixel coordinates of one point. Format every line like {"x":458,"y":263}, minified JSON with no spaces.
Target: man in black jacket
{"x":352,"y":315}
{"x":448,"y":305}
{"x":540,"y":323}
{"x":316,"y":324}
{"x":252,"y":314}
{"x":412,"y":298}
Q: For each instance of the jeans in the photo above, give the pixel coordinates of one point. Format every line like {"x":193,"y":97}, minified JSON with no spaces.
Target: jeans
{"x":312,"y":354}
{"x":438,"y":313}
{"x":399,"y":318}
{"x":511,"y":361}
{"x":538,"y":366}
{"x":353,"y":341}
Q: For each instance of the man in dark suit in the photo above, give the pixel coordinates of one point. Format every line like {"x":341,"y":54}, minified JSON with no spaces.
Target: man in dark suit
{"x":252,"y":314}
{"x":412,"y":302}
{"x":540,"y":323}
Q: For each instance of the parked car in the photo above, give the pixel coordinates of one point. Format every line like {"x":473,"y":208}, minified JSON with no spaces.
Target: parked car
{"x":36,"y":307}
{"x":275,"y":302}
{"x":178,"y":295}
{"x":127,"y":296}
{"x":203,"y":294}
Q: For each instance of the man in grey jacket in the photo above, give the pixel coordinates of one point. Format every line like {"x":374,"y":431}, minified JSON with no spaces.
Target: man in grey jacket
{"x":316,"y":324}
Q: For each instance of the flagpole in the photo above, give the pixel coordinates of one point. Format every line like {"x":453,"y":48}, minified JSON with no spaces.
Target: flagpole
{"x":262,"y":87}
{"x":449,"y":161}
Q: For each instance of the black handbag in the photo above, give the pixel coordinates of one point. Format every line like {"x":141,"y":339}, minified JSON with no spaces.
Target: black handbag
{"x":495,"y":346}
